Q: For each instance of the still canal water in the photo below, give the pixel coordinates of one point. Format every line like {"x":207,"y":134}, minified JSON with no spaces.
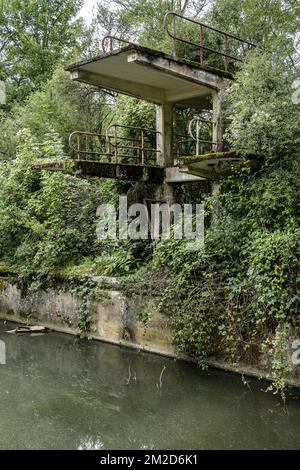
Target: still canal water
{"x":58,"y":392}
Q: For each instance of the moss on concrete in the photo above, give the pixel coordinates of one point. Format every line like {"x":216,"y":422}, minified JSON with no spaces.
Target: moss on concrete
{"x":122,"y":171}
{"x":150,"y":52}
{"x":209,"y":156}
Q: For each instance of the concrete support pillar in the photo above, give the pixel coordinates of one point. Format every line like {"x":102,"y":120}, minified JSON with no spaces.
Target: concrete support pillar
{"x":164,"y":127}
{"x":217,"y":147}
{"x":215,"y":191}
{"x":217,"y":123}
{"x":164,"y":139}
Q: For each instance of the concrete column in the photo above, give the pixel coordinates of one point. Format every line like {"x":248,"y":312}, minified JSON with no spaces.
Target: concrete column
{"x":164,"y":125}
{"x":164,"y":139}
{"x":217,"y":147}
{"x":217,"y":123}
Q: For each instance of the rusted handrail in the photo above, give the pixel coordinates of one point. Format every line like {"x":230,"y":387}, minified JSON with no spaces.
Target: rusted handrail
{"x":191,"y":139}
{"x":137,"y":147}
{"x":77,"y":146}
{"x":111,"y":40}
{"x":136,"y":144}
{"x":201,"y":45}
{"x":185,"y":144}
{"x":146,"y":129}
{"x":115,"y":146}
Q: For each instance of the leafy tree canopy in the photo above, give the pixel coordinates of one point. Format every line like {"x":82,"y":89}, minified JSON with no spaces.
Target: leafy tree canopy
{"x":35,"y":36}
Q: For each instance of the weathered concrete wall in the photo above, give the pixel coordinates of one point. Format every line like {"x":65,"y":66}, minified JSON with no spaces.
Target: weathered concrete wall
{"x":114,"y":319}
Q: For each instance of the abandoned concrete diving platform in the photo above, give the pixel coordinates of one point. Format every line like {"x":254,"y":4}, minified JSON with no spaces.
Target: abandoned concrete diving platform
{"x":154,"y":155}
{"x":120,"y":171}
{"x":216,"y":164}
{"x":152,"y":76}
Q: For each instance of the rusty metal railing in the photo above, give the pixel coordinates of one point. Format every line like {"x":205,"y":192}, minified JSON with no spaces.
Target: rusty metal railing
{"x":139,"y":144}
{"x":194,"y":142}
{"x":185,"y":145}
{"x":109,"y":40}
{"x":83,"y":144}
{"x":134,"y":145}
{"x":203,"y":48}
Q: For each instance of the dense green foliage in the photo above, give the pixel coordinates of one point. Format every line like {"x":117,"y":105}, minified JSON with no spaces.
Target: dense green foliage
{"x":60,"y":105}
{"x":35,"y":38}
{"x":41,"y":227}
{"x":238,"y":296}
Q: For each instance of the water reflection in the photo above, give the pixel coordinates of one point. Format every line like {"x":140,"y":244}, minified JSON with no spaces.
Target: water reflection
{"x":58,"y":392}
{"x":91,"y":443}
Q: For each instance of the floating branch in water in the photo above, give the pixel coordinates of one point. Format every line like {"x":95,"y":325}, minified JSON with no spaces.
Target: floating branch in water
{"x":28,"y":329}
{"x":159,"y":384}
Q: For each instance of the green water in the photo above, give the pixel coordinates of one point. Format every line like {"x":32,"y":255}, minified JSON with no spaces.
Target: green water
{"x":58,"y":392}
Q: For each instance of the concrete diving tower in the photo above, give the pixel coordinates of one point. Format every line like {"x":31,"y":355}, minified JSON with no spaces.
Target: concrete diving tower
{"x":165,"y":80}
{"x":151,"y":75}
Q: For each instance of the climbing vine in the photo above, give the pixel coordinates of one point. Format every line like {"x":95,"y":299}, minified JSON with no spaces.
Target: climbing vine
{"x":85,"y":291}
{"x":237,"y":297}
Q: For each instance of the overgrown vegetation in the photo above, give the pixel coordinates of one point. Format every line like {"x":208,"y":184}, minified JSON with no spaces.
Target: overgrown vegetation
{"x":238,"y":297}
